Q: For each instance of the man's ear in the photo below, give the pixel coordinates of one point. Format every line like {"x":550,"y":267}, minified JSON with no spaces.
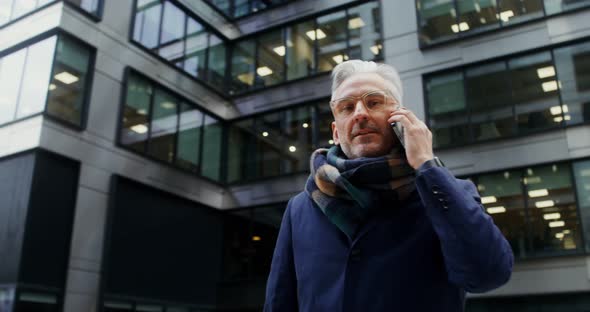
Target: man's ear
{"x":335,"y":133}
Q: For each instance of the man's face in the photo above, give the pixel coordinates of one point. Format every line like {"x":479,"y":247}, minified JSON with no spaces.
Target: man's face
{"x":363,"y":132}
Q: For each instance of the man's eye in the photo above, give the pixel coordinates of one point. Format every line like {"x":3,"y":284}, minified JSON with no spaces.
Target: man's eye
{"x":373,"y":103}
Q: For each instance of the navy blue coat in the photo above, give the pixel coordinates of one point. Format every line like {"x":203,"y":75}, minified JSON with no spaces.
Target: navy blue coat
{"x":423,"y":256}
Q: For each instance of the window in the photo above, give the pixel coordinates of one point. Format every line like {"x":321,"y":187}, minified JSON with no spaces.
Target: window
{"x":300,"y":50}
{"x":242,"y":67}
{"x":515,"y":96}
{"x":32,"y":81}
{"x":166,"y":30}
{"x":443,"y":20}
{"x":271,"y":57}
{"x":269,"y":145}
{"x":298,"y":131}
{"x":364,"y":29}
{"x":582,"y":177}
{"x":332,"y":40}
{"x":90,"y":6}
{"x":239,"y":8}
{"x":168,"y":128}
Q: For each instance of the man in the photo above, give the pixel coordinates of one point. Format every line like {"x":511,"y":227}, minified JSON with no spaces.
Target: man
{"x":381,"y":227}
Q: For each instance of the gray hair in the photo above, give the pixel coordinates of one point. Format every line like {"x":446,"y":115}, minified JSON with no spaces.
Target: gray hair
{"x":346,"y":69}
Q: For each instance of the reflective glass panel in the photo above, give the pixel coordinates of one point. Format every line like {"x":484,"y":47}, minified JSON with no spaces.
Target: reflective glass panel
{"x":164,"y":123}
{"x":242,"y":67}
{"x":216,"y":66}
{"x":582,"y":178}
{"x":514,"y":11}
{"x":90,"y":6}
{"x":241,"y":151}
{"x":173,"y":29}
{"x":476,"y":15}
{"x":189,"y":138}
{"x":270,"y":144}
{"x":365,"y":33}
{"x":553,"y":215}
{"x":147,"y":23}
{"x":36,"y":78}
{"x":447,"y":110}
{"x":534,"y":92}
{"x":297,"y":130}
{"x":324,"y":124}
{"x":271,"y":54}
{"x":331,"y":38}
{"x":300,"y":50}
{"x":135,"y":124}
{"x":196,"y":49}
{"x":11,"y":71}
{"x":67,"y":90}
{"x":212,"y":145}
{"x":573,"y":70}
{"x":488,"y":94}
{"x":437,"y":20}
{"x":557,"y":6}
{"x":501,"y":196}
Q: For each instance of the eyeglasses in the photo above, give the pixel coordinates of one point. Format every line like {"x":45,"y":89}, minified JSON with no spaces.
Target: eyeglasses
{"x":374,"y":101}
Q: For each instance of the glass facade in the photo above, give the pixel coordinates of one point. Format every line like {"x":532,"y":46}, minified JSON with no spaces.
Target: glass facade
{"x":239,"y":8}
{"x":511,"y":97}
{"x":50,"y":76}
{"x":306,"y":48}
{"x":277,"y":143}
{"x":181,"y":39}
{"x":166,"y":127}
{"x":13,"y":9}
{"x":442,"y":20}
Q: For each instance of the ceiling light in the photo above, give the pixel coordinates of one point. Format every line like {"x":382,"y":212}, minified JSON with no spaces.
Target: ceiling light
{"x":532,"y":180}
{"x":263,"y":71}
{"x":264,"y":134}
{"x":66,"y":77}
{"x":318,"y":33}
{"x":139,"y":128}
{"x":559,"y":235}
{"x":477,"y":7}
{"x":141,"y":111}
{"x":558,"y":119}
{"x":499,"y":209}
{"x":280,"y":50}
{"x":556,"y":224}
{"x":565,"y":109}
{"x":545,"y":72}
{"x":463,"y":26}
{"x":331,"y":141}
{"x":549,"y":86}
{"x":566,"y":231}
{"x":506,"y":15}
{"x":567,"y":117}
{"x":52,"y":87}
{"x":292,"y":148}
{"x":246,"y":78}
{"x":305,"y":125}
{"x":338,"y":58}
{"x":538,"y":193}
{"x":552,"y":216}
{"x":355,"y":23}
{"x":555,"y":110}
{"x":256,"y":238}
{"x":376,"y":49}
{"x":168,"y":105}
{"x":545,"y":204}
{"x":488,"y":199}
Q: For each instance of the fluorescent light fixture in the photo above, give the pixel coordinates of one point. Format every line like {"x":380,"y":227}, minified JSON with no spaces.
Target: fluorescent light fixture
{"x":506,"y":15}
{"x":331,"y":141}
{"x":142,"y":111}
{"x":558,"y":119}
{"x":66,"y":77}
{"x":168,"y":105}
{"x":552,"y":216}
{"x":499,"y":209}
{"x":355,"y":23}
{"x":477,"y":7}
{"x":549,"y":86}
{"x":555,"y":224}
{"x":545,"y":204}
{"x":263,"y":71}
{"x":338,"y":58}
{"x":559,"y":235}
{"x":538,"y":193}
{"x":566,"y":231}
{"x":256,"y":238}
{"x":585,"y":173}
{"x":246,"y":78}
{"x":280,"y":50}
{"x":488,"y":199}
{"x":545,"y":72}
{"x":52,"y":87}
{"x":317,"y":34}
{"x":567,"y":117}
{"x":564,"y":107}
{"x":292,"y":148}
{"x":305,"y":125}
{"x":555,"y":110}
{"x":139,"y":129}
{"x":264,"y":134}
{"x":463,"y":26}
{"x":376,"y":49}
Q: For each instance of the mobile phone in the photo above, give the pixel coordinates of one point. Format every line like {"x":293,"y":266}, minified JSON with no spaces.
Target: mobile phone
{"x":399,"y":132}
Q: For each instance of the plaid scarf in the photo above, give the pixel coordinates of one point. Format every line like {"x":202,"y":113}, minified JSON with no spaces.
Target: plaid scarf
{"x":347,"y":190}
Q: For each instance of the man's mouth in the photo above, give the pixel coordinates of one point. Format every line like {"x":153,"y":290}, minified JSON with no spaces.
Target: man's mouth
{"x":363,"y":132}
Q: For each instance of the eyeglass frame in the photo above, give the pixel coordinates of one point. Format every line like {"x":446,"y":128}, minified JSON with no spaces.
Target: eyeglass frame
{"x":362,"y":97}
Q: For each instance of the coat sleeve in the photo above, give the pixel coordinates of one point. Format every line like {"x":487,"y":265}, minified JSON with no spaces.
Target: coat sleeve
{"x":477,"y":256}
{"x":281,"y":287}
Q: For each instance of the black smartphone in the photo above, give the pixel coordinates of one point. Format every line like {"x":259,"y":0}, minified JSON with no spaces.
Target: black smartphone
{"x":399,"y":132}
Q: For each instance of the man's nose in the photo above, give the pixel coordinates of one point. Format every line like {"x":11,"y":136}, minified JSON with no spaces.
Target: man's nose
{"x":360,"y":111}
